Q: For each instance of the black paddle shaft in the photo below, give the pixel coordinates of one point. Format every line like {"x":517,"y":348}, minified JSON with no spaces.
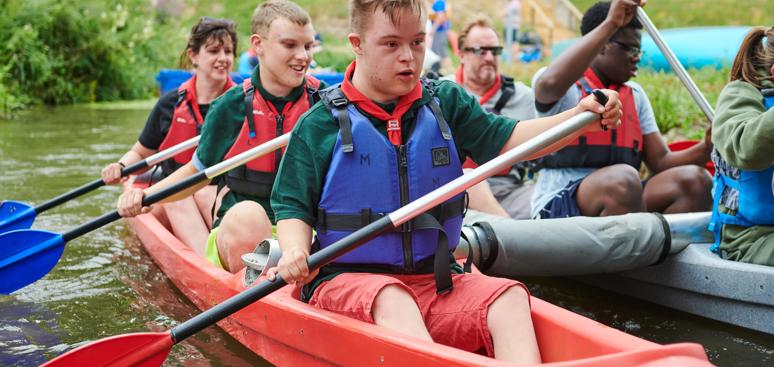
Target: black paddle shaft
{"x":91,"y":186}
{"x":263,"y":289}
{"x":146,"y":201}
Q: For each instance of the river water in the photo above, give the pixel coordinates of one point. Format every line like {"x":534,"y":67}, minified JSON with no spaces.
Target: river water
{"x":105,"y":284}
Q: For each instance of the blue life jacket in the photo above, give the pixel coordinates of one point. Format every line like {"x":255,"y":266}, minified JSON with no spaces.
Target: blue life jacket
{"x":368,"y":178}
{"x":750,"y":194}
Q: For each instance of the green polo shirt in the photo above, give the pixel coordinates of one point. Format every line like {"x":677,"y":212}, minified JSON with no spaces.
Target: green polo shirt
{"x":220,"y":130}
{"x":298,"y":187}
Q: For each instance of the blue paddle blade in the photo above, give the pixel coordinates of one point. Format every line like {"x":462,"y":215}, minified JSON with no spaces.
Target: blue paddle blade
{"x":15,"y":215}
{"x":26,"y":255}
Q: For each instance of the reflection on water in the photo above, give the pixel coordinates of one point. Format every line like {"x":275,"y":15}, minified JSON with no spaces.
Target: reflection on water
{"x":105,"y":284}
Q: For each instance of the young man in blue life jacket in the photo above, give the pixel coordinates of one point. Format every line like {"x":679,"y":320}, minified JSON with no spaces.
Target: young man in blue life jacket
{"x":743,"y":130}
{"x":505,"y":194}
{"x":263,"y":107}
{"x":380,"y":140}
{"x":598,"y":174}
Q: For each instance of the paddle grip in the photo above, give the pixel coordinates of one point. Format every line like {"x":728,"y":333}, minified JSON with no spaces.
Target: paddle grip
{"x":126,"y":171}
{"x":602,"y":99}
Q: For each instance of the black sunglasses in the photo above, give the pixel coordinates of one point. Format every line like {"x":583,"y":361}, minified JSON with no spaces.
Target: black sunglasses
{"x":478,"y":51}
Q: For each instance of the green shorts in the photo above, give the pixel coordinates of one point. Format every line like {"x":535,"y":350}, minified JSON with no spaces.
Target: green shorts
{"x":211,"y":251}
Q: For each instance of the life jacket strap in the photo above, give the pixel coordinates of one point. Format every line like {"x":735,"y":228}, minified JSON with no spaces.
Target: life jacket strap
{"x":352,"y":222}
{"x":249,"y":94}
{"x":335,"y":99}
{"x":507,"y":90}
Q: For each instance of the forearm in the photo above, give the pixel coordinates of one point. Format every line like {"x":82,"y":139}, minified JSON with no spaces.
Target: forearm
{"x":181,"y":174}
{"x":570,"y":65}
{"x":294,"y":234}
{"x":698,"y":154}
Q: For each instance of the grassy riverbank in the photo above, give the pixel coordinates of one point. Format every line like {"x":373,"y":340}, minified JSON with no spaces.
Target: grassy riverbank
{"x":61,"y":52}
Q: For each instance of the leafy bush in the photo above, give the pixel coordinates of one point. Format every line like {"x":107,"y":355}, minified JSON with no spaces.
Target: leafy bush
{"x":59,"y":52}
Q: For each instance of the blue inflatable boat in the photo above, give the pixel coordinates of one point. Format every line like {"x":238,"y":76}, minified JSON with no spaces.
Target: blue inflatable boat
{"x":170,"y":79}
{"x":695,"y":47}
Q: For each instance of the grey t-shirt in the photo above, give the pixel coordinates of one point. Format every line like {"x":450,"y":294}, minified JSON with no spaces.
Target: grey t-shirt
{"x":519,"y":107}
{"x":509,"y":190}
{"x":552,"y":180}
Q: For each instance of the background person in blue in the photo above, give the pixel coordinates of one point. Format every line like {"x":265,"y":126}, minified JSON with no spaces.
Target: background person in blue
{"x":598,"y":174}
{"x":439,"y":32}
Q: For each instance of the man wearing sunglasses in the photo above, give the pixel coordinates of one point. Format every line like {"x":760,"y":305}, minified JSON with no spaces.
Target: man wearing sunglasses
{"x":506,"y":194}
{"x":598,"y":174}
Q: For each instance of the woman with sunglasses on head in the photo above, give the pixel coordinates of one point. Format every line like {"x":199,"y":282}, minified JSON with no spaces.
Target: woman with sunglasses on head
{"x":598,"y":174}
{"x":178,"y":116}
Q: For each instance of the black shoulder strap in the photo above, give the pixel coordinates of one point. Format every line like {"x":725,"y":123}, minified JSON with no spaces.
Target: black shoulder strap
{"x":507,"y":90}
{"x":249,"y":93}
{"x":442,"y":124}
{"x":180,"y":97}
{"x":313,"y":94}
{"x":335,"y":99}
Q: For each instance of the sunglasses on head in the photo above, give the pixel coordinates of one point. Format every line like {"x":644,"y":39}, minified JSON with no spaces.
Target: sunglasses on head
{"x":478,"y":51}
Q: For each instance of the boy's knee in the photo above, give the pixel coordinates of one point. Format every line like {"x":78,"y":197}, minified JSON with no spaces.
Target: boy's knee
{"x":621,"y":183}
{"x":515,"y":298}
{"x":391,"y":298}
{"x":694,"y":180}
{"x":247,"y":217}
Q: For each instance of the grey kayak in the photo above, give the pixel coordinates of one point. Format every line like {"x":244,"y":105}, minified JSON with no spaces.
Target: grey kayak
{"x":660,"y":259}
{"x":697,"y":281}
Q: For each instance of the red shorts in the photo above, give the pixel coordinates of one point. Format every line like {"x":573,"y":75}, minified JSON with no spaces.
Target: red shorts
{"x":456,"y":319}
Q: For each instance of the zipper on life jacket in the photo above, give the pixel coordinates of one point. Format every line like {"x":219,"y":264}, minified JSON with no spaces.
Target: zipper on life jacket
{"x":408,"y":256}
{"x":280,"y":119}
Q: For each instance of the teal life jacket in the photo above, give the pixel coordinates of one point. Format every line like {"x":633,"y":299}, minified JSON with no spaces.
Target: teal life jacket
{"x":748,"y":194}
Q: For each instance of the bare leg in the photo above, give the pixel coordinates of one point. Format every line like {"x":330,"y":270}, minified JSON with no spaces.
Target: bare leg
{"x":680,"y":189}
{"x":161,"y":215}
{"x":242,"y":228}
{"x":204,"y":199}
{"x":612,"y":190}
{"x":481,"y":198}
{"x":187,"y":224}
{"x":510,"y":322}
{"x":395,"y":309}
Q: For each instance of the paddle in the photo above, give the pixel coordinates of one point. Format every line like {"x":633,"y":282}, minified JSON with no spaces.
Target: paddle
{"x":675,"y":64}
{"x":18,"y":215}
{"x":150,"y":349}
{"x":28,"y":254}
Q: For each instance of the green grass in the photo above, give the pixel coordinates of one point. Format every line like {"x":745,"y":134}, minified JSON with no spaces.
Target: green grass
{"x":682,"y":13}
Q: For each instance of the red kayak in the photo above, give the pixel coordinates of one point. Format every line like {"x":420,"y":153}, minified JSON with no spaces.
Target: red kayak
{"x":287,"y":332}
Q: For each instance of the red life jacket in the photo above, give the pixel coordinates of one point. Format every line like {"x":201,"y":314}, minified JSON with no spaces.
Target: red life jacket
{"x":263,"y":123}
{"x":186,"y":123}
{"x":603,"y":148}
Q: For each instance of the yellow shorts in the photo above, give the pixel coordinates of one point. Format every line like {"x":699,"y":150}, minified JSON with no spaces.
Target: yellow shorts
{"x":211,"y":251}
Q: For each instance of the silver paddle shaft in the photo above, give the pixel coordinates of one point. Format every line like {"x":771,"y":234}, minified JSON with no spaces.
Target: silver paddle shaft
{"x":171,"y":152}
{"x":246,"y":156}
{"x":677,"y":67}
{"x":506,"y":160}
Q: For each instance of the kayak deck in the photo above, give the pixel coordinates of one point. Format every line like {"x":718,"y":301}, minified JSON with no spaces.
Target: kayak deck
{"x":699,"y":282}
{"x":285,"y":331}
